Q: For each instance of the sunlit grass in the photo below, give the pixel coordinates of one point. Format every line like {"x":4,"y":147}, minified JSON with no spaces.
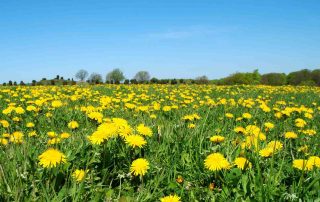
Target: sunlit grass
{"x":181,"y":125}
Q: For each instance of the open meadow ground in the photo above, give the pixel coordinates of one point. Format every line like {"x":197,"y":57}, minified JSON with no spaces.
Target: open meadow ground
{"x":159,"y":143}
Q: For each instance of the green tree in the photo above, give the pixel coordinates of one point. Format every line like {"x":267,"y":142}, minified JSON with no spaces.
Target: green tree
{"x":296,"y":78}
{"x":154,"y":80}
{"x":256,"y":77}
{"x":133,"y":81}
{"x":95,"y":78}
{"x":315,"y":74}
{"x":142,"y":76}
{"x":243,"y":78}
{"x":273,"y":79}
{"x":127,"y":81}
{"x":202,"y":79}
{"x":115,"y":76}
{"x":82,"y":74}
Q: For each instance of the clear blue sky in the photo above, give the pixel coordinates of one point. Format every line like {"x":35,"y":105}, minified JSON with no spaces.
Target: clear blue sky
{"x":168,"y":38}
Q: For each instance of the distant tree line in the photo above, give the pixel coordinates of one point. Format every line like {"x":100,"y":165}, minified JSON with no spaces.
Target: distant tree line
{"x":116,"y":76}
{"x":58,"y":80}
{"x":303,"y":77}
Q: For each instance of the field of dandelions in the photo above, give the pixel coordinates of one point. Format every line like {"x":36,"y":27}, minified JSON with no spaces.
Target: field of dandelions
{"x":159,"y":143}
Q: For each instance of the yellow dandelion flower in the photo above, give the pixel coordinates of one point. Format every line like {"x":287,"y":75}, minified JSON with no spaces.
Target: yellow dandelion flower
{"x":302,"y":164}
{"x":251,"y":141}
{"x":166,"y":108}
{"x":144,"y":130}
{"x":187,"y":118}
{"x":309,"y":132}
{"x":239,"y":129}
{"x":196,"y":116}
{"x":54,"y":141}
{"x":216,"y":162}
{"x":64,"y":135}
{"x":4,"y":123}
{"x":269,"y":125}
{"x":51,"y":158}
{"x":217,"y":138}
{"x":30,"y":125}
{"x":265,"y":108}
{"x":51,"y":134}
{"x":308,"y":115}
{"x":7,"y":110}
{"x":278,"y":115}
{"x":156,"y":106}
{"x":31,"y":108}
{"x":170,"y":198}
{"x":139,"y":167}
{"x":17,"y":137}
{"x":290,"y":135}
{"x":271,"y":148}
{"x":97,"y":137}
{"x":252,"y":130}
{"x":130,"y":106}
{"x":191,"y":125}
{"x":19,"y":110}
{"x":275,"y":145}
{"x":135,"y":141}
{"x":303,"y":149}
{"x":73,"y":125}
{"x":242,"y":163}
{"x":124,"y":130}
{"x":314,"y":160}
{"x":56,"y":104}
{"x":6,"y":135}
{"x":32,"y":133}
{"x":246,"y":116}
{"x":96,"y":116}
{"x":79,"y":175}
{"x":266,"y":152}
{"x":229,"y":115}
{"x":16,"y":119}
{"x":153,"y":116}
{"x":3,"y":141}
{"x":300,"y":123}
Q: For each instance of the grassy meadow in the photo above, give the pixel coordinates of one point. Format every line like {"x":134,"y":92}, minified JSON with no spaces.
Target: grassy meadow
{"x":159,"y":143}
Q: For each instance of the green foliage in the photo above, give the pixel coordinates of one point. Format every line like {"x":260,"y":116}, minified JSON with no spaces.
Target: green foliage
{"x":247,"y":78}
{"x":202,"y":80}
{"x":154,"y":80}
{"x":307,"y":83}
{"x":115,"y":76}
{"x":315,"y":74}
{"x":82,"y":74}
{"x":273,"y":79}
{"x":304,"y":77}
{"x":142,"y":76}
{"x":95,"y":78}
